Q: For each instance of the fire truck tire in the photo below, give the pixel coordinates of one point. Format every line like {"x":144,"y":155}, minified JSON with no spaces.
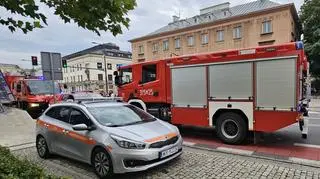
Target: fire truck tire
{"x":231,"y":128}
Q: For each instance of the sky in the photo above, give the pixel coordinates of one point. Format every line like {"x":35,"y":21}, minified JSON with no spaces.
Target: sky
{"x":148,"y":16}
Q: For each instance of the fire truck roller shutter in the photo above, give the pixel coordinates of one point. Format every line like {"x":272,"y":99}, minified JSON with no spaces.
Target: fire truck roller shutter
{"x":276,"y":84}
{"x":231,"y":89}
{"x":189,"y":87}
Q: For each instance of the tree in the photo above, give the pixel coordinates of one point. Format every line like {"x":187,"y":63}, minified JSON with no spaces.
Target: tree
{"x":310,"y":18}
{"x":94,"y":15}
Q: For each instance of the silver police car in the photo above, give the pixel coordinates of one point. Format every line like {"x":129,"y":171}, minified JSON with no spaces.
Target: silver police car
{"x":113,"y":137}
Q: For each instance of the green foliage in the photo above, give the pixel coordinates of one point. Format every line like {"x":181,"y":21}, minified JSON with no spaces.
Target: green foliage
{"x":94,"y":15}
{"x":310,"y":17}
{"x":13,"y":168}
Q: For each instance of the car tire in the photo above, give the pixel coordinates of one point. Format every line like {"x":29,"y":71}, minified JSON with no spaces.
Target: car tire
{"x":102,"y":163}
{"x":231,"y":128}
{"x":42,"y":147}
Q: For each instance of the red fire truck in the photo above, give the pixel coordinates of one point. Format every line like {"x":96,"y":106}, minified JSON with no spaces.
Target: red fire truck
{"x":32,"y":93}
{"x":254,"y":89}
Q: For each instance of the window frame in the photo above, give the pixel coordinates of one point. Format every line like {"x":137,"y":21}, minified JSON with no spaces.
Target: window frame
{"x":100,"y":75}
{"x":59,"y":119}
{"x":220,"y":35}
{"x":109,"y":66}
{"x":188,"y":39}
{"x":98,"y":63}
{"x":143,"y":81}
{"x":82,"y":112}
{"x":155,"y":47}
{"x":204,"y":41}
{"x":237,"y":32}
{"x":177,"y":43}
{"x":269,"y":30}
{"x":140,"y":49}
{"x":165,"y":47}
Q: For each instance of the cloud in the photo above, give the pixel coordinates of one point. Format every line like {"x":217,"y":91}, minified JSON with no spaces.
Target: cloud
{"x":149,"y":16}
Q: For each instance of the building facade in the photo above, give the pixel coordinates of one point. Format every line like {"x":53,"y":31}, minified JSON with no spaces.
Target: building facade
{"x":85,"y":69}
{"x":221,"y":27}
{"x":10,"y":69}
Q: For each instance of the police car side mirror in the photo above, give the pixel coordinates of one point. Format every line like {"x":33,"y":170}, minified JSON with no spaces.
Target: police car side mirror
{"x":80,"y":127}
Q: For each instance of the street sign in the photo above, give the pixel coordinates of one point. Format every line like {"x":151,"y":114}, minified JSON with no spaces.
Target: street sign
{"x":51,"y":65}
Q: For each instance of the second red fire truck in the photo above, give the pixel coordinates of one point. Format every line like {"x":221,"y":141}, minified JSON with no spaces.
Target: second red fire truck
{"x":254,"y":89}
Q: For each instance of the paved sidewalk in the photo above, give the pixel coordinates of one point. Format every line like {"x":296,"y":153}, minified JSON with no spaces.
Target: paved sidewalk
{"x":17,"y":128}
{"x":193,"y":163}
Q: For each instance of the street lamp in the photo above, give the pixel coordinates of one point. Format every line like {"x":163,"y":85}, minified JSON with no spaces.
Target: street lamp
{"x":105,"y":66}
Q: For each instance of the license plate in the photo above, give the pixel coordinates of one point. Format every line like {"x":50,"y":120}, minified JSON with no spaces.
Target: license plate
{"x":169,"y":152}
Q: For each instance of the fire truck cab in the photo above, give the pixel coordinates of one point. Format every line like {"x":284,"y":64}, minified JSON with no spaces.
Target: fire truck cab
{"x":33,"y":94}
{"x":254,"y":89}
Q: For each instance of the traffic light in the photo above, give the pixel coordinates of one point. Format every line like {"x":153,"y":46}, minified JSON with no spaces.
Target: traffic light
{"x":64,"y":64}
{"x":34,"y":60}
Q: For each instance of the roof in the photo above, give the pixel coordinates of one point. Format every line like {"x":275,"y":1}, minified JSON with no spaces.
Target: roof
{"x":216,"y":15}
{"x":9,"y":65}
{"x":108,"y":49}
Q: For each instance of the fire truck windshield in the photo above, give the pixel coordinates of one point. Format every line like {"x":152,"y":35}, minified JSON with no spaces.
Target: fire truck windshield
{"x":126,"y":75}
{"x":42,"y":87}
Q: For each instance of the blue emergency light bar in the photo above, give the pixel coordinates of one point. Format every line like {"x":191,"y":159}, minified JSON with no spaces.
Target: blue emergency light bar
{"x":299,"y":45}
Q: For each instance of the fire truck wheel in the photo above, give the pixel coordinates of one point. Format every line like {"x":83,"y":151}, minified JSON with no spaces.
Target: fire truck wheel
{"x":231,"y":128}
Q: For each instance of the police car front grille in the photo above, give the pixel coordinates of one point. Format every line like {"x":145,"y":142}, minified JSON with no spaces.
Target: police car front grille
{"x":161,"y":144}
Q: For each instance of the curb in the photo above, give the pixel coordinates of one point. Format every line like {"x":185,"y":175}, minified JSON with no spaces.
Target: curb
{"x":248,"y":153}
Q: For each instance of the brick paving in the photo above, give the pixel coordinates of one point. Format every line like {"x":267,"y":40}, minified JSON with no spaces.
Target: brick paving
{"x":193,"y":163}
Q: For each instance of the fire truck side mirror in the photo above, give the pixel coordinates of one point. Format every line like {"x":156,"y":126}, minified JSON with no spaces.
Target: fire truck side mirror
{"x":117,"y":80}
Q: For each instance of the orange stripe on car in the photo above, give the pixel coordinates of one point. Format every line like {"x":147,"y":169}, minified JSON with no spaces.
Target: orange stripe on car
{"x":81,"y":138}
{"x":163,"y":137}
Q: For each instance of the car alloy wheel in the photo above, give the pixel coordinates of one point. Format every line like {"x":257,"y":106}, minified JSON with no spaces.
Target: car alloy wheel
{"x":102,"y":163}
{"x":42,"y":147}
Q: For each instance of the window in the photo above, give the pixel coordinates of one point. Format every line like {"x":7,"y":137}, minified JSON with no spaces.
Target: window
{"x":78,"y":117}
{"x":77,"y":67}
{"x":237,"y":32}
{"x":81,"y":78}
{"x":110,"y":78}
{"x":149,"y":73}
{"x":60,"y":113}
{"x":109,"y":66}
{"x":80,"y":67}
{"x":190,"y":41}
{"x":165,"y":45}
{"x":100,"y":77}
{"x":220,"y":35}
{"x":141,"y":50}
{"x":99,"y":65}
{"x":126,"y":75}
{"x":266,"y":27}
{"x":177,"y":42}
{"x":155,"y":47}
{"x":204,"y":39}
{"x":78,"y":78}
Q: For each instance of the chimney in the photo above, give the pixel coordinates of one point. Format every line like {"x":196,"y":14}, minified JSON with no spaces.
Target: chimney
{"x":175,"y":18}
{"x":218,"y":7}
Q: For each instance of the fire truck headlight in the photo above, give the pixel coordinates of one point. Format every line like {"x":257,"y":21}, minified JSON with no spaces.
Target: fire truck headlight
{"x":34,"y":105}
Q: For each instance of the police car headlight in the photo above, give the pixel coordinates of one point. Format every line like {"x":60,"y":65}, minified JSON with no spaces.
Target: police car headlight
{"x":34,"y":105}
{"x":127,"y":144}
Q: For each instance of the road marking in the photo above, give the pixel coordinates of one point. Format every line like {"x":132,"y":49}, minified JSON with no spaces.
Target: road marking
{"x":307,"y":145}
{"x":235,"y":151}
{"x":188,"y":143}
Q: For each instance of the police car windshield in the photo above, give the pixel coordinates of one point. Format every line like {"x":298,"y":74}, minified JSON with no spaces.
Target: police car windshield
{"x":114,"y":116}
{"x":42,"y":87}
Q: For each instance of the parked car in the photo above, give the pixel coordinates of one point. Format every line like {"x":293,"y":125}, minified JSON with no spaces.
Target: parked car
{"x":113,"y":137}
